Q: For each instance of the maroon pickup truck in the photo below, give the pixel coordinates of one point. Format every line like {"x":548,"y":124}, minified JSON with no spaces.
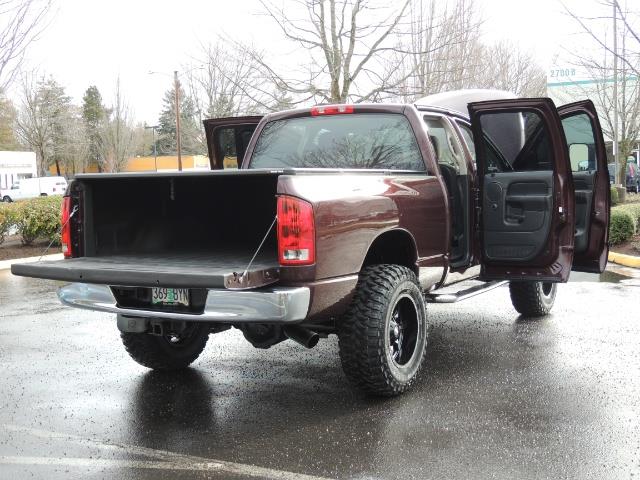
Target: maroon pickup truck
{"x":341,"y":219}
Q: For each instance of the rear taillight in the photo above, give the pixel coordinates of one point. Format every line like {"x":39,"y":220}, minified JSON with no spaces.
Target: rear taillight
{"x":296,"y":232}
{"x":65,"y":240}
{"x":331,"y":110}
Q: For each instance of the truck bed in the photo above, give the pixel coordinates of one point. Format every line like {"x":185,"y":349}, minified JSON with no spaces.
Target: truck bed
{"x":193,"y":270}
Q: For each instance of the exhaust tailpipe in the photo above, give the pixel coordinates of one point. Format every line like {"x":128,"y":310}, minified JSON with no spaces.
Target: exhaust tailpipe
{"x":303,"y":336}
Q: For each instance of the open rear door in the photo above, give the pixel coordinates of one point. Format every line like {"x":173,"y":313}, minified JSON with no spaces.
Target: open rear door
{"x":228,"y":138}
{"x":525,"y":191}
{"x":588,"y":160}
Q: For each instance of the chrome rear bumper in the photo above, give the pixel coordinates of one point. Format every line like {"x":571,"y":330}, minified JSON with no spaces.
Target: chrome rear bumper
{"x":267,"y":305}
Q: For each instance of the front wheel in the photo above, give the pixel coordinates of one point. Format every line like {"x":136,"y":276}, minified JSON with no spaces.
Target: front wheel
{"x":533,"y":299}
{"x":6,"y":199}
{"x":383,"y":335}
{"x":170,"y":351}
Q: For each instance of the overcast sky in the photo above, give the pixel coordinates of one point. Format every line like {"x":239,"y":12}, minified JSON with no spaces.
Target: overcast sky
{"x":91,"y":42}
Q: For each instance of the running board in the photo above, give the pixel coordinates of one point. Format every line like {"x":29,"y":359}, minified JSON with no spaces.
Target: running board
{"x":454,"y":297}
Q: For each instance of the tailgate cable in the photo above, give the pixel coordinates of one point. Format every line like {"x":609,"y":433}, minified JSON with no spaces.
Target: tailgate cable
{"x":258,"y":250}
{"x":73,"y":212}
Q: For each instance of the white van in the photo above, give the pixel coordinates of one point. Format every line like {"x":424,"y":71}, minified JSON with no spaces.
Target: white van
{"x":34,"y":187}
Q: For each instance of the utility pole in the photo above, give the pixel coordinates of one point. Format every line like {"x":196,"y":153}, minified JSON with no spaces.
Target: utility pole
{"x":177,"y":90}
{"x":155,"y":146}
{"x":615,"y":92}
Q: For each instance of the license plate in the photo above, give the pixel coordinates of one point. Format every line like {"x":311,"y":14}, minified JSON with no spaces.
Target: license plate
{"x":170,"y":296}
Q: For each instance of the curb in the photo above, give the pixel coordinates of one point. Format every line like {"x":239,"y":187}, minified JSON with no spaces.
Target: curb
{"x":6,"y":264}
{"x":626,"y":260}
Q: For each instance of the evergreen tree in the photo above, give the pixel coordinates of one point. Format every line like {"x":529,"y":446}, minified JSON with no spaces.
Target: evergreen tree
{"x":189,"y":130}
{"x":94,"y":115}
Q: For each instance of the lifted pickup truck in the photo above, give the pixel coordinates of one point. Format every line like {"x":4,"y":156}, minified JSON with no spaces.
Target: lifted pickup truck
{"x":341,"y":219}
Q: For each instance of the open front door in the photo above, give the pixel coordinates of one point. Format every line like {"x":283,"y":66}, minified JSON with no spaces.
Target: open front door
{"x":227,"y":139}
{"x":591,"y":182}
{"x":525,"y":191}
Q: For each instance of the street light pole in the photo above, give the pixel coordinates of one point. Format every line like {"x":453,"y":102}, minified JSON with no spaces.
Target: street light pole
{"x":178,"y":145}
{"x":618,"y":178}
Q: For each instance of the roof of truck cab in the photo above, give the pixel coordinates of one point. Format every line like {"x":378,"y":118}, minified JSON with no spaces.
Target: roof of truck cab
{"x":456,"y":101}
{"x":452,"y":102}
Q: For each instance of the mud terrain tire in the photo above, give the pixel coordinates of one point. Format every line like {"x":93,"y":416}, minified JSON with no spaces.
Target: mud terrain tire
{"x":383,"y":335}
{"x":533,"y":299}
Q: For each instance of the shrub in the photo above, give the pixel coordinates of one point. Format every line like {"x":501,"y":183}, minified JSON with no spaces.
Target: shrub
{"x":7,"y":219}
{"x":614,"y":196}
{"x":39,"y":218}
{"x":621,"y":227}
{"x":633,"y":209}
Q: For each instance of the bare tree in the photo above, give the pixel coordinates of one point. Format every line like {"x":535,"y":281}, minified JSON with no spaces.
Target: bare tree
{"x":444,"y":42}
{"x":117,"y":135}
{"x":346,"y":42}
{"x":43,"y":109}
{"x":21,"y":21}
{"x":595,"y":27}
{"x":596,"y":58}
{"x":447,"y":53}
{"x":220,"y":79}
{"x":73,"y":146}
{"x":506,"y":66}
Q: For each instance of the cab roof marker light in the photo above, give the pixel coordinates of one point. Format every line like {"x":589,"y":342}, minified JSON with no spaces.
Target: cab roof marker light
{"x":330,"y":110}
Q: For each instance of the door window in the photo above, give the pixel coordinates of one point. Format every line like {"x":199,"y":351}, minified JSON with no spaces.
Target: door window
{"x":582,"y":150}
{"x":468,"y":139}
{"x":516,"y":142}
{"x":227,"y":142}
{"x":445,"y":145}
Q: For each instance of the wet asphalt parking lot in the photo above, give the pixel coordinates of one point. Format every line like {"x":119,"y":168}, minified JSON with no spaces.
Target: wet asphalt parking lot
{"x":500,"y":397}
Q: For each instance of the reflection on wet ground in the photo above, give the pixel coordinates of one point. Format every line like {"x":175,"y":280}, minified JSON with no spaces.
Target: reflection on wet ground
{"x":613,"y":274}
{"x":500,"y":397}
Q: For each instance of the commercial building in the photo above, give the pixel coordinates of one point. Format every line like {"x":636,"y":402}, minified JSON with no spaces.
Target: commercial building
{"x":15,"y":166}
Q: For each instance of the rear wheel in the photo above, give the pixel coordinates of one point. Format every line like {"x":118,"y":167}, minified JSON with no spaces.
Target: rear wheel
{"x":383,"y":336}
{"x":533,"y":299}
{"x":170,"y":351}
{"x":6,"y":198}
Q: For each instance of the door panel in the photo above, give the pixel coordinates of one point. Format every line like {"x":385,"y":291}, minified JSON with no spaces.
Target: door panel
{"x":518,"y":214}
{"x":591,"y":180}
{"x":583,"y":183}
{"x":227,"y":139}
{"x":525,"y":190}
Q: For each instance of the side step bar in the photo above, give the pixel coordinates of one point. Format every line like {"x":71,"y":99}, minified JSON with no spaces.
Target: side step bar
{"x":454,"y":297}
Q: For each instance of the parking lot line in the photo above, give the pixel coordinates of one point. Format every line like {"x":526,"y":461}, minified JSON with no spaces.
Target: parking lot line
{"x":161,"y":459}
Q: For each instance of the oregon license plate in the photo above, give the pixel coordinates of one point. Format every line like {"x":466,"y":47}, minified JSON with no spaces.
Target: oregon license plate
{"x":170,"y":296}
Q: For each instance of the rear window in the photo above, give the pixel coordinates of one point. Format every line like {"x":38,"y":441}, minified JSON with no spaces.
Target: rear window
{"x":363,"y":140}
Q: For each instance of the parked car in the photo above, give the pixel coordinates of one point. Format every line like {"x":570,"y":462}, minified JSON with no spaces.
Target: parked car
{"x":342,"y":219}
{"x":633,"y":177}
{"x":34,"y":187}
